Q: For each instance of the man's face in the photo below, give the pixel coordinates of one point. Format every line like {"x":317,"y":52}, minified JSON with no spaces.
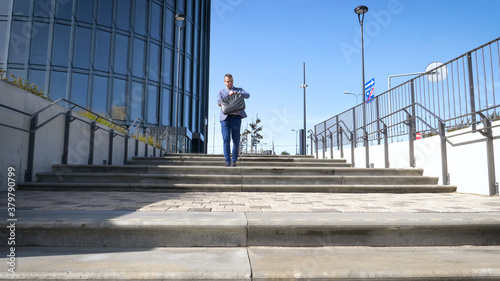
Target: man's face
{"x":229,"y":82}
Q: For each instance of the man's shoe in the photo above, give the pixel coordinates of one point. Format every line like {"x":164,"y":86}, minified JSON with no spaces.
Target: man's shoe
{"x":228,"y":164}
{"x":234,"y":164}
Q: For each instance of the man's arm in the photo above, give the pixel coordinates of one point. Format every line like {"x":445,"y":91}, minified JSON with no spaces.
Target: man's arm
{"x":244,"y":93}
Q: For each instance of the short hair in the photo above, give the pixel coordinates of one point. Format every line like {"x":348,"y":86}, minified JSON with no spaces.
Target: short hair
{"x":228,"y":76}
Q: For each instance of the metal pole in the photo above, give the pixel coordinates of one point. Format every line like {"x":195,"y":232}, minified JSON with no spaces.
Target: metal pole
{"x":177,"y":92}
{"x":365,"y":135}
{"x":305,"y":131}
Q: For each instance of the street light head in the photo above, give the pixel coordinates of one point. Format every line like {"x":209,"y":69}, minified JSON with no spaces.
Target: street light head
{"x":303,"y":86}
{"x":180,"y":17}
{"x":347,"y":93}
{"x":361,"y":10}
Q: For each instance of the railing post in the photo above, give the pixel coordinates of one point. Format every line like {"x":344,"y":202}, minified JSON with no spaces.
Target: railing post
{"x":331,"y":145}
{"x":354,"y":126}
{"x":125,"y":154}
{"x":338,"y":130}
{"x":353,"y":146}
{"x":386,"y":146}
{"x":489,"y":155}
{"x":146,"y":136}
{"x":91,"y":142}
{"x":136,"y":153}
{"x":67,"y":122}
{"x":471,"y":91}
{"x":411,"y":138}
{"x":324,"y":139}
{"x":444,"y":155}
{"x":28,"y":174}
{"x":378,"y":118}
{"x":341,"y":142}
{"x":110,"y":150}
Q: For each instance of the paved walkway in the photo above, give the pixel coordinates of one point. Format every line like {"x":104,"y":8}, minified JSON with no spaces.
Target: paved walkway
{"x":257,"y":202}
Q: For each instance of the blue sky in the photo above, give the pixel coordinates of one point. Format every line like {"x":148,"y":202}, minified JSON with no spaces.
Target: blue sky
{"x":264,"y":44}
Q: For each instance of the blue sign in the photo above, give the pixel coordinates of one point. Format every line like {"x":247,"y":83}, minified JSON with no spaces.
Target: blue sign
{"x":369,"y":90}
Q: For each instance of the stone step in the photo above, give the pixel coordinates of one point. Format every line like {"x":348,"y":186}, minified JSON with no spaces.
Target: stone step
{"x":256,"y":263}
{"x":237,"y":229}
{"x":241,"y":178}
{"x":221,"y":162}
{"x":188,"y":187}
{"x":244,"y":170}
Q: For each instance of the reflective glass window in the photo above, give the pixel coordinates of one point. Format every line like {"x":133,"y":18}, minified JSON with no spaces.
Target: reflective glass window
{"x":81,"y":57}
{"x":186,"y":112}
{"x":37,"y":77}
{"x":156,"y":22}
{"x":152,"y":113}
{"x":64,"y":9}
{"x":123,"y":14}
{"x":121,"y":54}
{"x":79,"y":89}
{"x":4,"y":10}
{"x":171,"y":3}
{"x":103,"y":44}
{"x":18,"y":73}
{"x":84,"y":11}
{"x":138,"y":67}
{"x":3,"y":37}
{"x":166,"y":109}
{"x":189,"y":34}
{"x":57,"y":85}
{"x":167,"y":66}
{"x":118,"y":105}
{"x":100,"y":94}
{"x":18,"y":42}
{"x":104,"y":12}
{"x":169,"y":27}
{"x":181,"y":6}
{"x":43,"y":8}
{"x":154,"y":62}
{"x":187,"y":75}
{"x":195,"y":80}
{"x":136,"y":101}
{"x":39,"y":43}
{"x":21,"y":7}
{"x":60,"y":49}
{"x":141,"y":8}
{"x":189,"y":9}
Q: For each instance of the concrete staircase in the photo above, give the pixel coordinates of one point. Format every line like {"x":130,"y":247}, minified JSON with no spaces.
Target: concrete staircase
{"x":152,"y":245}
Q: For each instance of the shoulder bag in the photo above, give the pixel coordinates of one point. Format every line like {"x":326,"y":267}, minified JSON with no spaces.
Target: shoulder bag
{"x":232,"y":104}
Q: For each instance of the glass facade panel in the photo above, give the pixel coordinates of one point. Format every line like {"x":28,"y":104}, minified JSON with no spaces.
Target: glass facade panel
{"x":100,"y":95}
{"x":181,"y":6}
{"x":57,"y":85}
{"x":79,"y":89}
{"x":156,"y":23}
{"x":43,"y":8}
{"x":3,"y":37}
{"x":136,"y":101}
{"x":187,"y":112}
{"x":166,"y":102}
{"x":138,"y":67}
{"x":64,"y":9}
{"x":18,"y":42}
{"x":189,"y":39}
{"x":18,"y":73}
{"x":123,"y":14}
{"x":141,"y":8}
{"x":103,"y":44}
{"x":121,"y":54}
{"x":81,"y":57}
{"x":39,"y":43}
{"x":84,"y":11}
{"x":21,"y":7}
{"x":37,"y":77}
{"x":152,"y":112}
{"x":104,"y":12}
{"x":118,"y":105}
{"x":60,"y":49}
{"x":187,"y":75}
{"x":167,"y":67}
{"x":169,"y":27}
{"x":154,"y":62}
{"x":4,"y":10}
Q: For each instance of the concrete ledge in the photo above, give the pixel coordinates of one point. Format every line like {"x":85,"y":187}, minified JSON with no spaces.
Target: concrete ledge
{"x":129,"y":264}
{"x":361,"y":263}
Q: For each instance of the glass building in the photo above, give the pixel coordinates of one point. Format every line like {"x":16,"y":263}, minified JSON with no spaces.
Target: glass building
{"x":115,"y":57}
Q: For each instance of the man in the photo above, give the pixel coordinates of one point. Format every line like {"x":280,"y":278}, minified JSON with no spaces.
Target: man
{"x":231,"y":123}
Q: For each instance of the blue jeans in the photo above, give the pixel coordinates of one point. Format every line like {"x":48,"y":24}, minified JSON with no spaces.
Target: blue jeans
{"x":231,"y":129}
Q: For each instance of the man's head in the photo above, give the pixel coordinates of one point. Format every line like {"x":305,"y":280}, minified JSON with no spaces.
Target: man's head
{"x":228,"y":80}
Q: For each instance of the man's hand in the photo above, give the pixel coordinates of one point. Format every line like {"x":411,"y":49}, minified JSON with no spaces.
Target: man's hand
{"x":232,"y":93}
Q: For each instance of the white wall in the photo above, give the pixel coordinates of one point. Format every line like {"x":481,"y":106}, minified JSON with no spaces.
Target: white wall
{"x":467,"y":158}
{"x":49,"y":138}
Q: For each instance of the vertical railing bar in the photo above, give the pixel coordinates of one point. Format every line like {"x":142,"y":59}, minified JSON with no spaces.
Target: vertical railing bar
{"x":465,"y":87}
{"x":493,"y":83}
{"x":485,"y":85}
{"x":67,"y":121}
{"x":110,"y":149}
{"x":453,"y":92}
{"x":91,"y":145}
{"x":478,"y":85}
{"x":471,"y":92}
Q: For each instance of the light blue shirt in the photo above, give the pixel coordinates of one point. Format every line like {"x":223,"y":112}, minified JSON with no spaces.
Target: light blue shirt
{"x":224,"y":93}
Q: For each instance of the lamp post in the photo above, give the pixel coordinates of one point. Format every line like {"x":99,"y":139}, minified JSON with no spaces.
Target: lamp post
{"x":356,"y":95}
{"x":361,"y":11}
{"x":180,"y":24}
{"x":296,"y":143}
{"x":303,"y":141}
